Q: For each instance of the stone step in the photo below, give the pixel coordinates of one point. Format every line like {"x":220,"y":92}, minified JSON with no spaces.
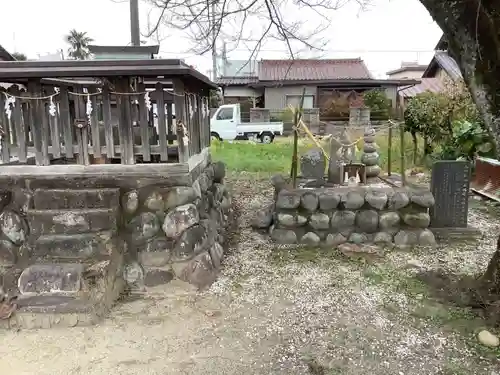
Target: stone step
{"x":49,"y":222}
{"x":69,"y":246}
{"x":51,"y":279}
{"x":58,"y":199}
{"x":36,"y":312}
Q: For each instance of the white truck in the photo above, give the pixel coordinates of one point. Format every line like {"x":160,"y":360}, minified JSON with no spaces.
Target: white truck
{"x":226,"y":124}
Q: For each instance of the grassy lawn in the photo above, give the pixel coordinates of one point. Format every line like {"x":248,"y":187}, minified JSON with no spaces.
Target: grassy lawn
{"x":265,"y":159}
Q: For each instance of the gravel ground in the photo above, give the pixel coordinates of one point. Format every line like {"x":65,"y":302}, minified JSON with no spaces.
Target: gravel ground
{"x":281,"y":311}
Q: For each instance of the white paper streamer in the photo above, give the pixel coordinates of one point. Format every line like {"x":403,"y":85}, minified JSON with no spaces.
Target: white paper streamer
{"x":147,"y":100}
{"x":8,"y":101}
{"x":190,"y":105}
{"x":89,"y":107}
{"x":52,"y":107}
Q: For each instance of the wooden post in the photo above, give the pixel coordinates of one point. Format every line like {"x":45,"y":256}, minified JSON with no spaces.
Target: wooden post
{"x":95,"y":131}
{"x":180,"y":118}
{"x":5,"y":125}
{"x":20,"y":124}
{"x":81,"y":129}
{"x":66,"y":125}
{"x":125,"y":122}
{"x":144,"y":125}
{"x":36,"y":121}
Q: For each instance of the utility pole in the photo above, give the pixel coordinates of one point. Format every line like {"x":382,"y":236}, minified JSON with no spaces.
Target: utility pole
{"x":214,"y":44}
{"x":224,"y":59}
{"x":135,"y":34}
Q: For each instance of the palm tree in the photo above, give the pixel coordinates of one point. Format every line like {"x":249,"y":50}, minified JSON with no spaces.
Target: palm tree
{"x":79,"y":44}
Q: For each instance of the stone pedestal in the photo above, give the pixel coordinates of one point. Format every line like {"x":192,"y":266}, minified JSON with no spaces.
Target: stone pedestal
{"x":70,"y":246}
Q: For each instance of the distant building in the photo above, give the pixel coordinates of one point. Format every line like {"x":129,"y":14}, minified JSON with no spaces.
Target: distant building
{"x":334,"y":88}
{"x":239,"y":68}
{"x":408,"y":70}
{"x":56,"y":56}
{"x":123,"y":52}
{"x":441,"y":68}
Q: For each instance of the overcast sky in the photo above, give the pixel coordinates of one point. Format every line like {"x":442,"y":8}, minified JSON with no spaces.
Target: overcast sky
{"x":389,"y":32}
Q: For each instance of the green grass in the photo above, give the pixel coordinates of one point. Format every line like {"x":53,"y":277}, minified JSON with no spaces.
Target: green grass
{"x":244,"y":156}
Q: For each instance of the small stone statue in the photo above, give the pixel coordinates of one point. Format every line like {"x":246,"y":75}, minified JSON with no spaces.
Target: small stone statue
{"x":348,"y":150}
{"x":335,"y":169}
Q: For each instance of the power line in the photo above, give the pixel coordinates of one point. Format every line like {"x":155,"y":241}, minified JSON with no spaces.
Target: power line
{"x":346,"y":51}
{"x":327,"y":51}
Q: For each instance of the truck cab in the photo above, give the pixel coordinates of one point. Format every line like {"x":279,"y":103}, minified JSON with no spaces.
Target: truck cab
{"x":226,"y":124}
{"x":223,"y":123}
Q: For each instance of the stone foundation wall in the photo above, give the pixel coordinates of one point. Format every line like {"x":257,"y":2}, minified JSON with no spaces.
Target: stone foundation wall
{"x":73,"y":244}
{"x":332,"y":216}
{"x":179,"y":228}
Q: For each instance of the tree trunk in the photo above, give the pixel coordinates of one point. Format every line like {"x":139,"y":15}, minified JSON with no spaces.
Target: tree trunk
{"x":415,"y":147}
{"x":471,"y":30}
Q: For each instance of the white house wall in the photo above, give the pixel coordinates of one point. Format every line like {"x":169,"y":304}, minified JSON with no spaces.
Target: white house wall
{"x":241,"y":91}
{"x":407,"y":74}
{"x":275,"y":97}
{"x":392,"y":93}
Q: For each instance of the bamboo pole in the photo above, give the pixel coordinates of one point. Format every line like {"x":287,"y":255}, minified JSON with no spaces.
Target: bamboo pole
{"x":389,"y":150}
{"x":293,"y":170}
{"x":402,"y":145}
{"x":297,"y":119}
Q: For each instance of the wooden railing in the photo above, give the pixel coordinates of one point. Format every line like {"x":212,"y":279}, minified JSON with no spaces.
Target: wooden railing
{"x":110,"y":123}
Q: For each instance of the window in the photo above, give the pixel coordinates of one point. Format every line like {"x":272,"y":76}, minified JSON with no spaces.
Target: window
{"x":225,"y":114}
{"x":294,"y":100}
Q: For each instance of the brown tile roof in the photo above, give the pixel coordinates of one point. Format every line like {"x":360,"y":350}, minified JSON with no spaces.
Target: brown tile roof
{"x":236,"y":81}
{"x":443,"y":60}
{"x":312,"y":70}
{"x":427,"y":84}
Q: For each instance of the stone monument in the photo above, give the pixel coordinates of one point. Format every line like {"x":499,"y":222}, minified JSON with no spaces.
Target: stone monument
{"x":335,"y":164}
{"x":312,"y":164}
{"x":450,"y":182}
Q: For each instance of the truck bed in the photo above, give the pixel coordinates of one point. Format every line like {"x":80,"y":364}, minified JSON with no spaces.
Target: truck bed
{"x":257,"y":127}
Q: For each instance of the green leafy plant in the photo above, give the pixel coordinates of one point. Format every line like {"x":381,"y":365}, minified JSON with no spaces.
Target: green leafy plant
{"x":378,"y":102}
{"x":467,"y":140}
{"x":435,"y":117}
{"x":427,"y":115}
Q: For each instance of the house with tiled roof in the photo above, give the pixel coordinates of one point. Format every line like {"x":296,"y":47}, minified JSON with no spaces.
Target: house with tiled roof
{"x":441,"y":68}
{"x":334,"y":86}
{"x":442,"y":65}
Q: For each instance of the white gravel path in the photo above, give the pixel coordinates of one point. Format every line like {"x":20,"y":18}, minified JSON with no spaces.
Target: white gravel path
{"x":271,"y":315}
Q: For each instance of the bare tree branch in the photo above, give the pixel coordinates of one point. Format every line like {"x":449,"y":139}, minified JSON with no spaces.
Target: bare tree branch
{"x":249,"y":23}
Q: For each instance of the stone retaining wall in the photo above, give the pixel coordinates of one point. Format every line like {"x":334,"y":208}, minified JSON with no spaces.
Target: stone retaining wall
{"x":332,"y":216}
{"x":180,"y":228}
{"x":74,"y":244}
